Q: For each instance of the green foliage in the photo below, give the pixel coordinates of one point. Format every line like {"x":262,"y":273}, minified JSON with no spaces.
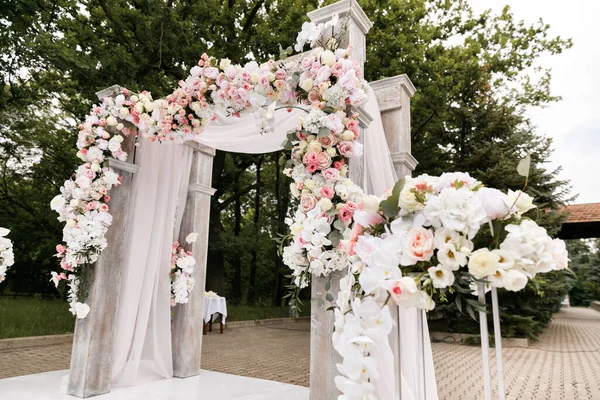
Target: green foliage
{"x":33,"y":317}
{"x":585,"y":261}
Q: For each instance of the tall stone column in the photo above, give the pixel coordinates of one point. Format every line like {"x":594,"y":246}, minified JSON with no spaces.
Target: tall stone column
{"x":323,"y":357}
{"x":90,"y":370}
{"x":187,"y":323}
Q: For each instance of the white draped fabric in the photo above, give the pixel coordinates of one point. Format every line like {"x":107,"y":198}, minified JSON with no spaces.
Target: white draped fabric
{"x":142,"y":349}
{"x":142,"y":341}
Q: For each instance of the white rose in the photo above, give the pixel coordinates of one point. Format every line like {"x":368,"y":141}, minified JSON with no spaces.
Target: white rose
{"x":296,"y":228}
{"x":307,"y":84}
{"x":71,"y":223}
{"x":74,"y":202}
{"x":524,"y":202}
{"x":124,"y":112}
{"x":314,"y":146}
{"x":191,"y":238}
{"x":225,"y":63}
{"x":111,"y":121}
{"x":328,"y":58}
{"x":325,"y":204}
{"x":371,"y":204}
{"x":407,"y":200}
{"x":348,"y":135}
{"x":483,"y":263}
{"x":114,"y":143}
{"x":294,"y":190}
{"x":139,"y":107}
{"x":331,"y":152}
{"x":309,"y":184}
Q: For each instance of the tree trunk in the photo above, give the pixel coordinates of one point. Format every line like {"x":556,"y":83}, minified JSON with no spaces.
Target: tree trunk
{"x":254,"y":266}
{"x":283,"y":199}
{"x":237,"y":262}
{"x":215,"y":266}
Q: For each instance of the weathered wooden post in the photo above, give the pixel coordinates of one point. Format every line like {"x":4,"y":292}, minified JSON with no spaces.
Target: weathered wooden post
{"x":393,"y":95}
{"x":323,"y":357}
{"x":187,"y":323}
{"x":90,"y":371}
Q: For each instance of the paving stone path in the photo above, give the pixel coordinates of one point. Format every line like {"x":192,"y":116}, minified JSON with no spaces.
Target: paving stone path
{"x":564,"y":364}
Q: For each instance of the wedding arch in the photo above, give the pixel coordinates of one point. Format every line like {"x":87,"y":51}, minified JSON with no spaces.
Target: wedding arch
{"x":348,"y":140}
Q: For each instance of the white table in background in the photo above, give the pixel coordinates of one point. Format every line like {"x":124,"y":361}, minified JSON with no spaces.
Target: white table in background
{"x":214,"y":306}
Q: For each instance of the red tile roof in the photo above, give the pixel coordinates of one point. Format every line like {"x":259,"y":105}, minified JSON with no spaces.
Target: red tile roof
{"x":589,"y":212}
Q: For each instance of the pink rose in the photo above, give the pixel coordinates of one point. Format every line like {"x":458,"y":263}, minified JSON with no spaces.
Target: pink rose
{"x":264,"y":82}
{"x":60,"y":248}
{"x":338,"y":164}
{"x":245,"y":75}
{"x":346,"y":148}
{"x":308,"y":202}
{"x":323,"y":160}
{"x":418,"y":244}
{"x":91,"y":205}
{"x":404,"y":291}
{"x":334,"y":123}
{"x":323,"y":74}
{"x":328,"y":141}
{"x":280,"y":74}
{"x":352,"y":125}
{"x":327,"y":192}
{"x":64,"y":265}
{"x":103,"y":208}
{"x":331,"y":174}
{"x":307,"y":62}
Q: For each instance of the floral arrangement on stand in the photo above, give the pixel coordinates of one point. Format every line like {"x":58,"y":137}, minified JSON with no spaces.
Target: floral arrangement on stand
{"x":430,"y":236}
{"x":7,"y":258}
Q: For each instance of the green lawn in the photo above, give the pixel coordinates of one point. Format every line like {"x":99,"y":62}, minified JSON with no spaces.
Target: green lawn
{"x":26,"y":316}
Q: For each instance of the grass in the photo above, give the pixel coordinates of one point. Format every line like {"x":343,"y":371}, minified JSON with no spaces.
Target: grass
{"x":30,"y":316}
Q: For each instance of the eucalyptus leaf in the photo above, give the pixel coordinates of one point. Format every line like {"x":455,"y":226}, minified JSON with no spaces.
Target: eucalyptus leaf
{"x":339,"y":225}
{"x":389,"y":206}
{"x":323,"y":132}
{"x":524,"y":166}
{"x":328,"y":286}
{"x":335,"y":236}
{"x":329,"y":297}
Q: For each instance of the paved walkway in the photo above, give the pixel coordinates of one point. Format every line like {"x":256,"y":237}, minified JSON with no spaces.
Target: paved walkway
{"x":564,"y":364}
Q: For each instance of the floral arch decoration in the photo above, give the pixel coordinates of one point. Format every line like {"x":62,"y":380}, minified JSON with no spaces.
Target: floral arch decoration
{"x":414,"y":243}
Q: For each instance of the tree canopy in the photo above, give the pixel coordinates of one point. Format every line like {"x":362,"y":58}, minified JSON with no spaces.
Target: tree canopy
{"x":475,"y":74}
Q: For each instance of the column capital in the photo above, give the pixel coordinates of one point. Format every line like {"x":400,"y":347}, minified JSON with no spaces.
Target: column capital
{"x":406,"y":159}
{"x":200,"y":147}
{"x":364,"y":118}
{"x":109,"y":92}
{"x":389,"y":91}
{"x":200,"y":188}
{"x":343,"y":8}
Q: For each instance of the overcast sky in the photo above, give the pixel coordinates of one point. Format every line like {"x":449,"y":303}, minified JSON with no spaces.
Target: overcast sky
{"x":574,"y":122}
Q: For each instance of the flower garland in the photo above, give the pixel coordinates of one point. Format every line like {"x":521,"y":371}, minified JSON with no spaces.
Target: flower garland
{"x":324,"y":83}
{"x":7,"y":258}
{"x":421,"y":243}
{"x":182,"y":267}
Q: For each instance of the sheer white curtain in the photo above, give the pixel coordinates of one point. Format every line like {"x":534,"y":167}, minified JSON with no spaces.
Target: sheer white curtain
{"x":142,"y":348}
{"x":142,"y":342}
